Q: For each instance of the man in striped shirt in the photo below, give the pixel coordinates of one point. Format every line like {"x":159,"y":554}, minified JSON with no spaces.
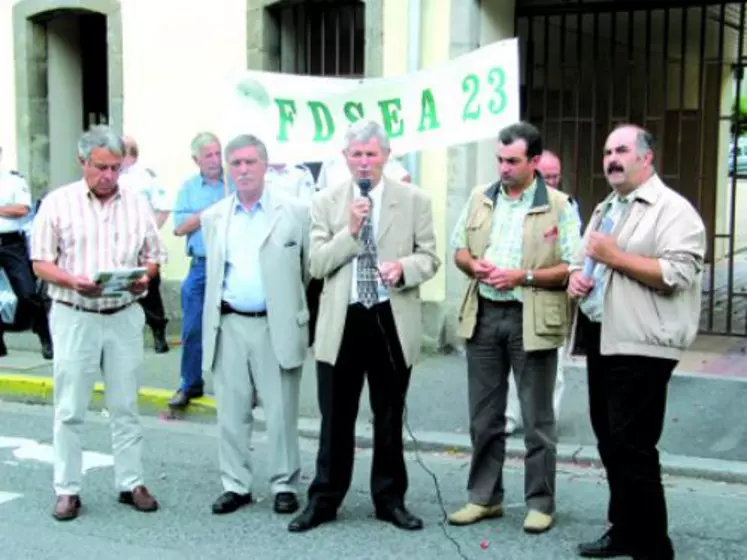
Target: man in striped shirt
{"x":83,"y":228}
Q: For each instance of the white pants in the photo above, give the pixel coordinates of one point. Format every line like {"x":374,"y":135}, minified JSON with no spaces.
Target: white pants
{"x":85,"y":344}
{"x":245,"y":365}
{"x":513,"y":410}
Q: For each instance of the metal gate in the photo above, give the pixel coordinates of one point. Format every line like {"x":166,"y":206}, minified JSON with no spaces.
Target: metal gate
{"x":674,"y":67}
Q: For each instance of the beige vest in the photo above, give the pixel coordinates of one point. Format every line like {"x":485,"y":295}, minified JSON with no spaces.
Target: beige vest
{"x":546,"y":312}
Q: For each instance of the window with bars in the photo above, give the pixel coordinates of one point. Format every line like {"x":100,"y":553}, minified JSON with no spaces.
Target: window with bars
{"x":320,"y":37}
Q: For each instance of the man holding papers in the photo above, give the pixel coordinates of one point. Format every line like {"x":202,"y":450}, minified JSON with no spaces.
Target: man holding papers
{"x":84,"y":231}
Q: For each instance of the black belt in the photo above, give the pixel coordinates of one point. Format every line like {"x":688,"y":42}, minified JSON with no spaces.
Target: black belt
{"x":12,"y":237}
{"x":226,"y":309}
{"x":108,"y":311}
{"x":499,"y":302}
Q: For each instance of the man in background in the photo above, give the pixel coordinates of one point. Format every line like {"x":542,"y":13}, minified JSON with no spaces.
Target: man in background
{"x":142,"y":180}
{"x":15,"y":206}
{"x":198,"y":193}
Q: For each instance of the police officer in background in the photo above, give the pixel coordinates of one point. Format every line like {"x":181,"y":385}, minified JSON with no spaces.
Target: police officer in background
{"x":141,"y":179}
{"x":15,"y":205}
{"x":294,"y":180}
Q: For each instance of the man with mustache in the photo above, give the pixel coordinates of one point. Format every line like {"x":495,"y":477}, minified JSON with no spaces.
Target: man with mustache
{"x":514,"y":241}
{"x":642,"y":299}
{"x":256,"y":323}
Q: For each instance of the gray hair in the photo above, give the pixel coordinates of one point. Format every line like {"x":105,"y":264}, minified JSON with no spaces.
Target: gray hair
{"x":246,"y":141}
{"x":644,"y":141}
{"x":365,"y":131}
{"x":201,"y":140}
{"x":100,"y":136}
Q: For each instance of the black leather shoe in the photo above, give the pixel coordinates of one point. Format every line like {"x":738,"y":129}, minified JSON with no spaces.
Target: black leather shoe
{"x":286,"y":502}
{"x":311,"y":517}
{"x":47,"y":350}
{"x":607,"y":546}
{"x":159,"y":342}
{"x":400,"y":517}
{"x":228,"y":502}
{"x":181,"y":398}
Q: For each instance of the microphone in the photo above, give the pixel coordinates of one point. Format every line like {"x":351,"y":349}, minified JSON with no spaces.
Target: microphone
{"x":365,"y":186}
{"x":605,"y":226}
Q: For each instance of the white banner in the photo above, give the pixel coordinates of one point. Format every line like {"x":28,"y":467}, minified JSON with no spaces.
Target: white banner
{"x":304,"y":118}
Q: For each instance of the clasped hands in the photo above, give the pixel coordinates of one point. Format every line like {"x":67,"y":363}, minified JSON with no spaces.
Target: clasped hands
{"x":500,"y":279}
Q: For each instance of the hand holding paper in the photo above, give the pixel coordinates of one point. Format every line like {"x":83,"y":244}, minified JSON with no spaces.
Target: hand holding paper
{"x":117,"y":282}
{"x":605,"y":227}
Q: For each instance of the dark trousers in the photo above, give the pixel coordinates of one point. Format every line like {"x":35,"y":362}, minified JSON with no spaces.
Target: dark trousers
{"x":370,"y":349}
{"x":30,"y":312}
{"x":152,"y":304}
{"x":497,"y":347}
{"x":627,"y":404}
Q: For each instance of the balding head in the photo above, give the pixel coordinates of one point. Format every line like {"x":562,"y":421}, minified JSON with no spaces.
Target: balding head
{"x":628,"y":158}
{"x":550,"y":169}
{"x":131,"y":151}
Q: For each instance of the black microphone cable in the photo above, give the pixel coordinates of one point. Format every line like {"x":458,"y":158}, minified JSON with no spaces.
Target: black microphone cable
{"x":416,"y":446}
{"x":365,"y":187}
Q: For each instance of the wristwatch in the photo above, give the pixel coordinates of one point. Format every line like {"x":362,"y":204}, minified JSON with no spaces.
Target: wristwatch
{"x":528,"y":278}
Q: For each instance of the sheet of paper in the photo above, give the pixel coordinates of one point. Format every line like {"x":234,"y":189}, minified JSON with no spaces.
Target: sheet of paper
{"x":115,"y":282}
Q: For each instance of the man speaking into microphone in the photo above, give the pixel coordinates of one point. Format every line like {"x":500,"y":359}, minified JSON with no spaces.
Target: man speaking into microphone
{"x":373,"y":244}
{"x":639,"y":282}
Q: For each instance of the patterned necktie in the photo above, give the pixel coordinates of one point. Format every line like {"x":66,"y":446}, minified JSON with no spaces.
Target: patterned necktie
{"x":368,"y":270}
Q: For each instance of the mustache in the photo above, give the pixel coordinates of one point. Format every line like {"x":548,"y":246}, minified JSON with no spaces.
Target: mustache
{"x":615,"y":167}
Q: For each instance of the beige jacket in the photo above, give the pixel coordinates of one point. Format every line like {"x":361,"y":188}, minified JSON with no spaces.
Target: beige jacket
{"x":405,"y":233}
{"x":283,"y":258}
{"x":639,"y":320}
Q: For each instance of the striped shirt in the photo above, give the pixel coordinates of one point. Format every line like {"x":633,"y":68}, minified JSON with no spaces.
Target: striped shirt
{"x":83,"y":235}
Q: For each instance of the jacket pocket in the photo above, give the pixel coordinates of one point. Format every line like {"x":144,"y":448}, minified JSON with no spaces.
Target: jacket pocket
{"x":550,"y":312}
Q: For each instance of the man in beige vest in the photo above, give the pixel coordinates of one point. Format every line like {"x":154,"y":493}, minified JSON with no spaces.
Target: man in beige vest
{"x":550,"y":168}
{"x":514,"y":241}
{"x":641,"y":296}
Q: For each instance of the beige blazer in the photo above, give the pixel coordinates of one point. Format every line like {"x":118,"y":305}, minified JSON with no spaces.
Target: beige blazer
{"x":405,"y":233}
{"x":284,"y":261}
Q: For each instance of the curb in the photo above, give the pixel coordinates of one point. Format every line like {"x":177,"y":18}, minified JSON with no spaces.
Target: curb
{"x":31,"y":389}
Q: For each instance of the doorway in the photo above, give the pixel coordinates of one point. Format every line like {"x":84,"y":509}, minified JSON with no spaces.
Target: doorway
{"x":77,"y":88}
{"x":68,"y":78}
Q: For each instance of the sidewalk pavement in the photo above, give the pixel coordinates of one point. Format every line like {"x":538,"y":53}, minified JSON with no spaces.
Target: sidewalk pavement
{"x":705,"y":433}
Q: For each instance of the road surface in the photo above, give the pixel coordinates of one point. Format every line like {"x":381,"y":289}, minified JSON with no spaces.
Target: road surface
{"x":707,"y":519}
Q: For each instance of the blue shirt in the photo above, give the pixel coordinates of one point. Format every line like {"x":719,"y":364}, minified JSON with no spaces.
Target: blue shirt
{"x":194,"y":196}
{"x":243,"y":288}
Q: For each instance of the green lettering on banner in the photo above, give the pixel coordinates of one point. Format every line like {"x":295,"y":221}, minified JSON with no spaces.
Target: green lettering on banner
{"x":497,"y":79}
{"x":428,"y":114}
{"x":471,"y":86}
{"x":353,"y":111}
{"x":320,"y":112}
{"x":286,"y":117}
{"x":390,"y":109}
